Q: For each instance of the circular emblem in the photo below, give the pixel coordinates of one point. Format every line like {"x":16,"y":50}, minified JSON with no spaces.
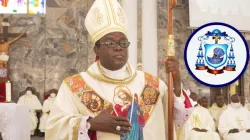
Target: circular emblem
{"x":216,"y":54}
{"x":3,"y":73}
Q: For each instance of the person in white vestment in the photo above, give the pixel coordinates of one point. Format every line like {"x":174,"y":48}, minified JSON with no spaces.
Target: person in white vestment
{"x":139,"y":67}
{"x":217,"y":108}
{"x":84,"y":107}
{"x":243,"y":102}
{"x":47,"y":104}
{"x":204,"y":102}
{"x":34,"y":105}
{"x":194,"y":98}
{"x":234,"y":123}
{"x":199,"y":126}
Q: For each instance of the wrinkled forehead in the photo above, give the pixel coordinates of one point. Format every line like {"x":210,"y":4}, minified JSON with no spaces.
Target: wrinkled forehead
{"x":116,"y":36}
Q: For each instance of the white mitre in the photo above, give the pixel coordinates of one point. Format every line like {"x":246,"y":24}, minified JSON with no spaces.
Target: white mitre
{"x":104,"y":17}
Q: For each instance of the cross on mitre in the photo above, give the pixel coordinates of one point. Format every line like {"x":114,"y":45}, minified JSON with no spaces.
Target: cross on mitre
{"x":216,"y":38}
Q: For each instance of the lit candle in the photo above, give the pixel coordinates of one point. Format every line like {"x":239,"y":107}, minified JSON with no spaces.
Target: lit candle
{"x":8,"y":91}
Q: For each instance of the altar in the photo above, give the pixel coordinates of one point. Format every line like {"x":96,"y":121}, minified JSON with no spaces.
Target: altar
{"x":14,"y":121}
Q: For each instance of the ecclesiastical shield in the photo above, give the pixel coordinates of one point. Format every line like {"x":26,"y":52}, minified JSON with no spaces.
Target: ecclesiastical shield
{"x":216,"y":54}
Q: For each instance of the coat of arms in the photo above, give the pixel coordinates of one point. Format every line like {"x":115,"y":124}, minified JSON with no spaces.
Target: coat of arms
{"x":216,"y":54}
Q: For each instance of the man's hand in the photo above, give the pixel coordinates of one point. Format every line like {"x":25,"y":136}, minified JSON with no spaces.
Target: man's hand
{"x":172,"y":65}
{"x":248,"y":130}
{"x":234,"y":130}
{"x":197,"y":129}
{"x":217,"y":130}
{"x":105,"y":122}
{"x":203,"y":130}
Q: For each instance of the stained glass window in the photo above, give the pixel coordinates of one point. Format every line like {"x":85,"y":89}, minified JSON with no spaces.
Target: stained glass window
{"x":22,"y":6}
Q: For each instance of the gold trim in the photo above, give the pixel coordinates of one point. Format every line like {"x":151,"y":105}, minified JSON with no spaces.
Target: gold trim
{"x":109,"y":30}
{"x":76,"y":130}
{"x":108,"y":19}
{"x":87,"y":89}
{"x":108,"y":81}
{"x":114,"y":15}
{"x":102,"y":72}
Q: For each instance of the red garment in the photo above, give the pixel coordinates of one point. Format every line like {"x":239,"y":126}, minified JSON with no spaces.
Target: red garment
{"x":141,"y":120}
{"x":92,"y":135}
{"x":96,"y":58}
{"x":187,"y":100}
{"x":2,"y":91}
{"x":118,"y":109}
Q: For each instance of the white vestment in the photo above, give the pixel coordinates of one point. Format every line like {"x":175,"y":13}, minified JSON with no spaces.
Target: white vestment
{"x":68,"y":114}
{"x":215,"y":112}
{"x":247,"y":106}
{"x":34,"y":105}
{"x":200,"y":118}
{"x":234,"y":119}
{"x":47,"y":104}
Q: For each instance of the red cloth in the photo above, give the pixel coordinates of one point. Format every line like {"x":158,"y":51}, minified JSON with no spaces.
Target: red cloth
{"x":118,"y":109}
{"x":96,"y":58}
{"x":2,"y":92}
{"x":187,"y":100}
{"x":92,"y":135}
{"x":46,"y":96}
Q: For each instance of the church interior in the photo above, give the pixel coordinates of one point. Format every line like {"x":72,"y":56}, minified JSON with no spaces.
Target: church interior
{"x":45,"y":48}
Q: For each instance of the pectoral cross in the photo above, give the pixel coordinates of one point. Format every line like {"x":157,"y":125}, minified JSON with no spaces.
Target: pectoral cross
{"x":216,"y":38}
{"x":239,"y":122}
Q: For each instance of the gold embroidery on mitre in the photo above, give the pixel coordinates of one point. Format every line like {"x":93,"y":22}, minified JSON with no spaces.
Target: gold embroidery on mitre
{"x":108,"y":20}
{"x":99,"y":16}
{"x":120,"y":15}
{"x":120,"y":24}
{"x":115,"y":20}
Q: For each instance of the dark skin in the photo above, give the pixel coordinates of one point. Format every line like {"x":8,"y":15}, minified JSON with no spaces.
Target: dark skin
{"x":204,"y":102}
{"x":235,"y":99}
{"x":172,"y":65}
{"x":242,"y":100}
{"x":199,"y":130}
{"x":219,"y":100}
{"x":194,"y":96}
{"x":114,"y":59}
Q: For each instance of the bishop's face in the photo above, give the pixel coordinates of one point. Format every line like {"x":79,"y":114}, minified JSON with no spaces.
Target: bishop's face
{"x":112,"y":50}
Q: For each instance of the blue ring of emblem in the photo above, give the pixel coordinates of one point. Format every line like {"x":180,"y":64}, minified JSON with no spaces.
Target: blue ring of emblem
{"x":222,"y":24}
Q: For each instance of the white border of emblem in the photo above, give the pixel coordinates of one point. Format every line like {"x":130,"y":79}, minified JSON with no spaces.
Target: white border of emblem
{"x":228,"y":77}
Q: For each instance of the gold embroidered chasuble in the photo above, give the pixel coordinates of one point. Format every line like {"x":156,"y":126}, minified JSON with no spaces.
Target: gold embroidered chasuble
{"x":87,"y":94}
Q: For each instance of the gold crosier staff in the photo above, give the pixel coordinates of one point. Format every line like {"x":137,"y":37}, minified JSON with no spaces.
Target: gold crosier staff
{"x":170,"y":52}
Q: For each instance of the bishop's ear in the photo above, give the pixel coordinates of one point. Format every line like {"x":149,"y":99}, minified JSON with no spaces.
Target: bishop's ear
{"x":97,"y":48}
